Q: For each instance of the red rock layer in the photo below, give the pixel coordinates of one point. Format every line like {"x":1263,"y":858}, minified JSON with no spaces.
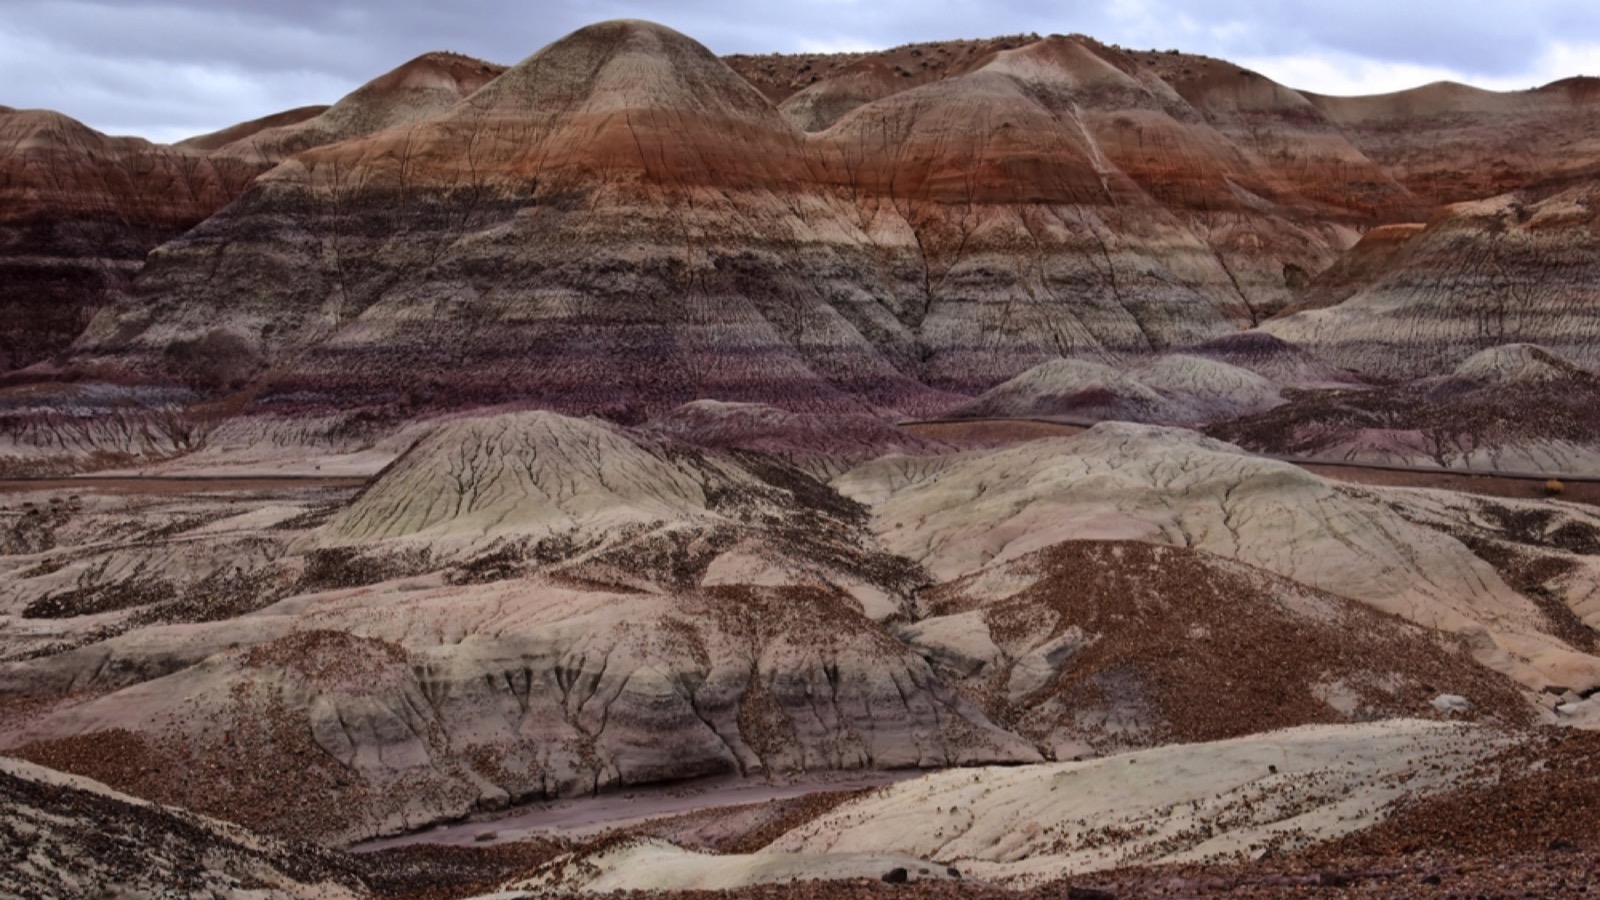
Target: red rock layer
{"x":1449,"y":142}
{"x":78,"y":212}
{"x":412,"y":92}
{"x":245,"y":130}
{"x":621,"y":223}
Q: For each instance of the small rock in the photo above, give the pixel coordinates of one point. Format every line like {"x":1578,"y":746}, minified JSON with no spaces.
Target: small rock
{"x":896,"y":875}
{"x":1332,"y":879}
{"x":1451,"y":703}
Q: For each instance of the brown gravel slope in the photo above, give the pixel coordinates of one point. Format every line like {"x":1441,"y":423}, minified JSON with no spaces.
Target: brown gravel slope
{"x":70,"y":838}
{"x":1167,"y":644}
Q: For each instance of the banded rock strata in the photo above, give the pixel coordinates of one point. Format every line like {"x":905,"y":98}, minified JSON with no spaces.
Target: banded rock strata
{"x":623,"y":203}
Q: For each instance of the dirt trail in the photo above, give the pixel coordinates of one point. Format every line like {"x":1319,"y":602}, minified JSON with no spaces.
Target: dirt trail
{"x":583,"y":816}
{"x":1513,"y":486}
{"x":177,"y":484}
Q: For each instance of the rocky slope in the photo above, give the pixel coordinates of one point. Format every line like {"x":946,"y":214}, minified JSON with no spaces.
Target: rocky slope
{"x":1209,"y":800}
{"x":1275,"y":790}
{"x":78,"y":212}
{"x":624,"y":203}
{"x":69,"y":836}
{"x":956,"y":514}
{"x":1089,"y":646}
{"x":968,"y":833}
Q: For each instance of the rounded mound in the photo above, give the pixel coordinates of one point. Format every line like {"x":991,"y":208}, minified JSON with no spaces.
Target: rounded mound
{"x":1068,"y":387}
{"x":1275,"y":359}
{"x":1203,"y":388}
{"x":529,"y":473}
{"x":1517,"y":364}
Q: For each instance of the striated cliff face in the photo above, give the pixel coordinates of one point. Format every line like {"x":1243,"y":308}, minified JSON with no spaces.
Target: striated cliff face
{"x":1450,"y":143}
{"x":621,"y":224}
{"x":1497,"y":271}
{"x":78,"y":212}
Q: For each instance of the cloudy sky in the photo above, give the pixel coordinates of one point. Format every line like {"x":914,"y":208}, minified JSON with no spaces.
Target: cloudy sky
{"x":167,"y":69}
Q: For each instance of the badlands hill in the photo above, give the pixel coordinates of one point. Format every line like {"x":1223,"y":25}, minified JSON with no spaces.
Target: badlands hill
{"x":416,"y":90}
{"x":79,"y":210}
{"x":1065,"y":200}
{"x":623,"y":223}
{"x":527,"y":606}
{"x":542,"y":465}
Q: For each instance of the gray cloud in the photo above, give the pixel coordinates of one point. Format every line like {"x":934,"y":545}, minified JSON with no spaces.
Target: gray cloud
{"x":167,"y":68}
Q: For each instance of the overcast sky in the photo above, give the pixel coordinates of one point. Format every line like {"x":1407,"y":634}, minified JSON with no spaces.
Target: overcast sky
{"x":167,"y":69}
